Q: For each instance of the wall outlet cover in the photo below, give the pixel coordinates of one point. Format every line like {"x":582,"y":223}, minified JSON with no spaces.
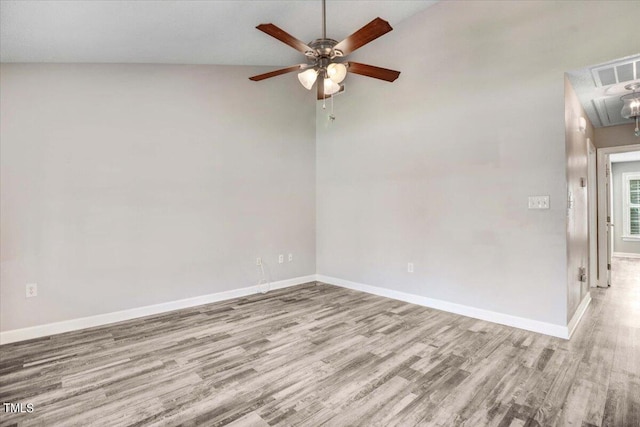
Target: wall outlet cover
{"x":32,"y":290}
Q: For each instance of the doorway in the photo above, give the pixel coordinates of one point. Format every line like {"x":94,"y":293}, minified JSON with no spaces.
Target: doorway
{"x":616,"y":222}
{"x":602,"y":91}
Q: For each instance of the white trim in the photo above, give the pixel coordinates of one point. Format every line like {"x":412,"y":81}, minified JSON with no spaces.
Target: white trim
{"x":603,"y":250}
{"x":464,"y":310}
{"x":7,"y":337}
{"x":546,"y":328}
{"x":626,"y":205}
{"x":577,"y":316}
{"x":592,"y":215}
{"x":625,"y":255}
{"x":603,"y":257}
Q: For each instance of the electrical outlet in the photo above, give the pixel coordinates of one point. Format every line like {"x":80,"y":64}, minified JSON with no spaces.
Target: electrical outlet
{"x":410,"y":267}
{"x":290,"y":257}
{"x":258,"y":261}
{"x":32,"y":290}
{"x":280,"y":259}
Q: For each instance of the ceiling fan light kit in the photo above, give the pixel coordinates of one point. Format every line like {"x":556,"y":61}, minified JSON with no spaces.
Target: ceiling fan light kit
{"x":324,"y":67}
{"x":308,"y":78}
{"x":631,"y":107}
{"x":337,"y":72}
{"x":330,"y":87}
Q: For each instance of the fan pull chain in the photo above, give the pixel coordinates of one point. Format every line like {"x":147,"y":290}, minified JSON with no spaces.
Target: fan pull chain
{"x":331,"y":116}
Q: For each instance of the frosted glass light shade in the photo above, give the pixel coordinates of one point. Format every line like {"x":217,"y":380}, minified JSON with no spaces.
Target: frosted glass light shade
{"x":330,"y":87}
{"x":308,"y":78}
{"x":631,"y":107}
{"x":337,"y":72}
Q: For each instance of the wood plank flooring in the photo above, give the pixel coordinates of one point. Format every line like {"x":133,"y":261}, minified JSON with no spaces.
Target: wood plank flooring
{"x":321,"y":355}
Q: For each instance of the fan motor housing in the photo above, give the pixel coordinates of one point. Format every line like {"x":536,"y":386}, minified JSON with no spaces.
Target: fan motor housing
{"x":323,"y":48}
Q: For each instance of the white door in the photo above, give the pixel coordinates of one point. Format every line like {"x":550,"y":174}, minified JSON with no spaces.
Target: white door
{"x":610,"y":224}
{"x":604,"y":215}
{"x":593,"y":214}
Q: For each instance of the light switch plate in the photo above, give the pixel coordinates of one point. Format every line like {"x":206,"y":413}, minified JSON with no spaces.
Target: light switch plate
{"x":538,"y":202}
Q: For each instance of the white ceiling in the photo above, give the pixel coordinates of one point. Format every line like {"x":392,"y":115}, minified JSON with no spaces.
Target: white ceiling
{"x":599,"y":88}
{"x":179,"y":32}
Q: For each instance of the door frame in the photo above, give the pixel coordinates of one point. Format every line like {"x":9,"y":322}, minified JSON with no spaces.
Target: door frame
{"x":604,"y":255}
{"x":592,"y":187}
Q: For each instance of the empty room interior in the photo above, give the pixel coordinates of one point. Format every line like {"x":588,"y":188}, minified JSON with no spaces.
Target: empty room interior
{"x":305,"y":213}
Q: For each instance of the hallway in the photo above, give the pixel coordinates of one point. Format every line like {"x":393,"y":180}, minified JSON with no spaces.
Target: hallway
{"x":607,"y":384}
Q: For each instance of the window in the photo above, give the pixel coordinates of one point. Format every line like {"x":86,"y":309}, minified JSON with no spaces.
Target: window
{"x":631,"y":205}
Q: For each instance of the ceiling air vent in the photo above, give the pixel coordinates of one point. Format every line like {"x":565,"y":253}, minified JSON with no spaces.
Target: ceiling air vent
{"x":615,"y":73}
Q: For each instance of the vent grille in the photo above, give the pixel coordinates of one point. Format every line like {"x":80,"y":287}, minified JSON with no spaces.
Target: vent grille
{"x":612,"y":74}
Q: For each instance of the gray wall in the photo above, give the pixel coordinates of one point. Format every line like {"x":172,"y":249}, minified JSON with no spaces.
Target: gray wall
{"x":436,"y":168}
{"x":619,"y":245}
{"x":577,"y":214}
{"x":614,"y":136}
{"x":130,"y":185}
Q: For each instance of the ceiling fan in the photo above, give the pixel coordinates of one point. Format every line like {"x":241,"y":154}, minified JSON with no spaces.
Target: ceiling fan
{"x":324,"y":57}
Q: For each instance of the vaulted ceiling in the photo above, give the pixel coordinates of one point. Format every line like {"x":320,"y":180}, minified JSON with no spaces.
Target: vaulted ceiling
{"x":223,"y":32}
{"x":179,"y":32}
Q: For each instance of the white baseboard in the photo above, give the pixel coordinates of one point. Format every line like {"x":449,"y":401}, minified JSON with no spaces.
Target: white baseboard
{"x":546,"y":328}
{"x":577,"y":316}
{"x":625,"y":255}
{"x":464,"y":310}
{"x":15,"y":335}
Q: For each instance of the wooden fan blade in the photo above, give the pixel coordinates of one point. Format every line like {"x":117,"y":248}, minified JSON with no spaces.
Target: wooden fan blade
{"x":284,"y":37}
{"x":375,"y":72}
{"x":364,"y":35}
{"x":277,"y":72}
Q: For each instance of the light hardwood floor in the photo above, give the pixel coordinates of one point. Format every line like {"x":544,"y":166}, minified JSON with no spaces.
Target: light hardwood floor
{"x":319,"y":354}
